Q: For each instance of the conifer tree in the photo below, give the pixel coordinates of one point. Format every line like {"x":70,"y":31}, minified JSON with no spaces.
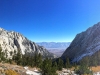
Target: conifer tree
{"x":83,"y":68}
{"x":47,"y":68}
{"x":11,"y":53}
{"x":67,"y":64}
{"x":60,"y":64}
{"x":55,"y":65}
{"x":0,"y":53}
{"x":36,"y":59}
{"x":18,"y":57}
{"x":39,"y":60}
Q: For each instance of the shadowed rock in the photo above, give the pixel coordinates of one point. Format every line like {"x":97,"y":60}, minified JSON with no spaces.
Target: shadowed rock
{"x":84,"y":44}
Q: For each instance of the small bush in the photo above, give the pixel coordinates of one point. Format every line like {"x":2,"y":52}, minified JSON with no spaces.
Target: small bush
{"x":11,"y":72}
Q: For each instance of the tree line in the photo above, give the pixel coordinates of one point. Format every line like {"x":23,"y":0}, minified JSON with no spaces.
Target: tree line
{"x":47,"y":65}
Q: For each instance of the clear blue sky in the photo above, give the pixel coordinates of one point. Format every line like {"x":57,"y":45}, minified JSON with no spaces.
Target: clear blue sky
{"x":49,"y":20}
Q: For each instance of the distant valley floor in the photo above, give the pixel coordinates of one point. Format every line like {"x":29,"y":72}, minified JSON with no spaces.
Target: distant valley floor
{"x":56,"y":48}
{"x":56,"y":51}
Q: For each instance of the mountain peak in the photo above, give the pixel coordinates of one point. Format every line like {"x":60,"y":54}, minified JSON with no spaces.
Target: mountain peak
{"x":11,"y":41}
{"x":1,"y":29}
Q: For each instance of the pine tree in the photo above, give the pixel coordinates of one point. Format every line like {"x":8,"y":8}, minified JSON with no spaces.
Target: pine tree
{"x":75,"y":65}
{"x":14,"y":52}
{"x":60,"y":64}
{"x":18,"y":57}
{"x":0,"y":53}
{"x":39,"y":60}
{"x":36,"y":59}
{"x":67,"y":64}
{"x":32,"y":61}
{"x":47,"y":68}
{"x":11,"y":53}
{"x":14,"y":56}
{"x":83,"y":68}
{"x":55,"y":65}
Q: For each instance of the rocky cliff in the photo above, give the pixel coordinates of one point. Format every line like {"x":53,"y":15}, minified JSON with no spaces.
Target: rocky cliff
{"x":85,"y":44}
{"x":10,"y":41}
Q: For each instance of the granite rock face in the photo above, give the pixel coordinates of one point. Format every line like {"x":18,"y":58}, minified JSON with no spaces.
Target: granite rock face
{"x":84,"y":44}
{"x":10,"y":41}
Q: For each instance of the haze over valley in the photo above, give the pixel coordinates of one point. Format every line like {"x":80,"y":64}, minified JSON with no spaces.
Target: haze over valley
{"x":57,"y":48}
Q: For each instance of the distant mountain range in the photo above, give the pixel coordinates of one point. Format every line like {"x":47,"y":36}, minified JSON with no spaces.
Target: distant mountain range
{"x":55,"y":47}
{"x":58,"y":45}
{"x":85,"y":44}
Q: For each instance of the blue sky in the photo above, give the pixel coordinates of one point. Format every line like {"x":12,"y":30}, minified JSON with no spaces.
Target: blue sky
{"x":49,"y":20}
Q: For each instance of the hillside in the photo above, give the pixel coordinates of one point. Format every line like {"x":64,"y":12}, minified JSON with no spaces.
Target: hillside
{"x":11,"y":41}
{"x":9,"y":69}
{"x":86,"y":43}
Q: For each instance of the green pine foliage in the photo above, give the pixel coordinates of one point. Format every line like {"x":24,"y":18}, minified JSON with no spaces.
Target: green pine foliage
{"x":2,"y":55}
{"x":54,"y":64}
{"x":92,"y":60}
{"x":39,"y":60}
{"x":67,"y":64}
{"x":60,"y":64}
{"x":47,"y":67}
{"x":83,"y":69}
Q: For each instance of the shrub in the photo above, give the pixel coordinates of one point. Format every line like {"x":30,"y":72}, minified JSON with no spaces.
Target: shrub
{"x":11,"y":72}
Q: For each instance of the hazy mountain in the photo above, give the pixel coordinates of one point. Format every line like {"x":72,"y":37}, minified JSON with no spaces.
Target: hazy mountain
{"x":86,"y":43}
{"x":55,"y":47}
{"x":10,"y":41}
{"x":62,"y":45}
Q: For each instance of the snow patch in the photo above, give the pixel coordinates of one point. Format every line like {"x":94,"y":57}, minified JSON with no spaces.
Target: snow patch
{"x":32,"y":72}
{"x":97,"y":73}
{"x":25,"y":68}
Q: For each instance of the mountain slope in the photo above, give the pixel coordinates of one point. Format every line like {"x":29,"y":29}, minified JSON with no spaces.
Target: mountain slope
{"x":84,"y":44}
{"x":11,"y":41}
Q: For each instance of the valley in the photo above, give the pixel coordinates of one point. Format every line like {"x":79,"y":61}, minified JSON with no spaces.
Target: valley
{"x":56,"y":51}
{"x":50,"y":58}
{"x":56,"y":48}
{"x":49,"y":37}
{"x":21,"y":56}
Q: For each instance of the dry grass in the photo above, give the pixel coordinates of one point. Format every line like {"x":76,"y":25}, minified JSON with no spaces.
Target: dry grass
{"x":11,"y":72}
{"x":11,"y":69}
{"x":72,"y":69}
{"x":95,"y":69}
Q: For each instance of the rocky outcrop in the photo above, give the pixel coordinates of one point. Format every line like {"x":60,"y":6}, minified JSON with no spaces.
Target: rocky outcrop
{"x":11,"y":41}
{"x":84,"y":44}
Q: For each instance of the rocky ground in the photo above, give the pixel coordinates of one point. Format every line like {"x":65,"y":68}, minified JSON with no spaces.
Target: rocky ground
{"x":5,"y":68}
{"x":66,"y":72}
{"x":96,"y":71}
